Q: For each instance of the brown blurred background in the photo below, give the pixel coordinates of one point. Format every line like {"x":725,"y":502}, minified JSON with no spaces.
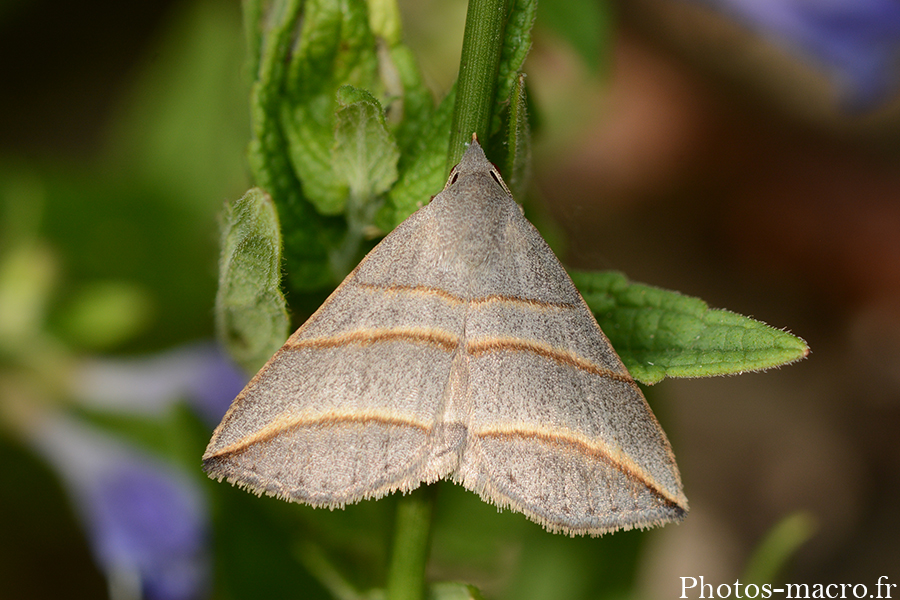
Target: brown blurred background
{"x":721,"y":166}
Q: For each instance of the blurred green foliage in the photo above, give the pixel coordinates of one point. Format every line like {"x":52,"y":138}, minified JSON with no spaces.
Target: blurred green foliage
{"x":132,"y":228}
{"x":113,"y":251}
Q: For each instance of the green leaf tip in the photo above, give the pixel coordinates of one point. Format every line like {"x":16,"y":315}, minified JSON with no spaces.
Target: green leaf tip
{"x":660,"y":333}
{"x":778,"y":547}
{"x":251,"y":313}
{"x":365,"y":154}
{"x":447,"y":590}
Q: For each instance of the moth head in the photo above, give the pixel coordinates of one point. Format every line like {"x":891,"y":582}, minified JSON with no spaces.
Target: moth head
{"x":474,"y":162}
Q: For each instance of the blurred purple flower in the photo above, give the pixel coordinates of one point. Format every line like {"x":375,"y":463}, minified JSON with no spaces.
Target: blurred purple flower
{"x":200,"y":373}
{"x":146,"y":520}
{"x":857,"y":41}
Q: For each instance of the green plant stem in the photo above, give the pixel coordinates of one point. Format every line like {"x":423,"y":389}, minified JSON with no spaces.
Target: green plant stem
{"x":472,"y":112}
{"x":478,"y":67}
{"x":412,"y":540}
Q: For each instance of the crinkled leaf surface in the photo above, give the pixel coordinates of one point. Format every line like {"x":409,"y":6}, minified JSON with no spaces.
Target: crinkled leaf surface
{"x":365,"y":154}
{"x":326,"y":155}
{"x":660,"y":333}
{"x":422,"y":172}
{"x":307,"y":234}
{"x":336,"y":47}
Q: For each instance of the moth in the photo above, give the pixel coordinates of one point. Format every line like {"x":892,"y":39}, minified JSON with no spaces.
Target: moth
{"x":458,"y":349}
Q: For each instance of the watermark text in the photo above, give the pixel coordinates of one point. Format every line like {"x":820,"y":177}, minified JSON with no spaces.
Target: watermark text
{"x":697,"y":587}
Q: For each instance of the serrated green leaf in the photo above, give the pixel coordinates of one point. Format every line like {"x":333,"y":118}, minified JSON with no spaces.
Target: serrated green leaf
{"x":365,"y":154}
{"x":306,"y":110}
{"x":660,"y":333}
{"x":251,"y":314}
